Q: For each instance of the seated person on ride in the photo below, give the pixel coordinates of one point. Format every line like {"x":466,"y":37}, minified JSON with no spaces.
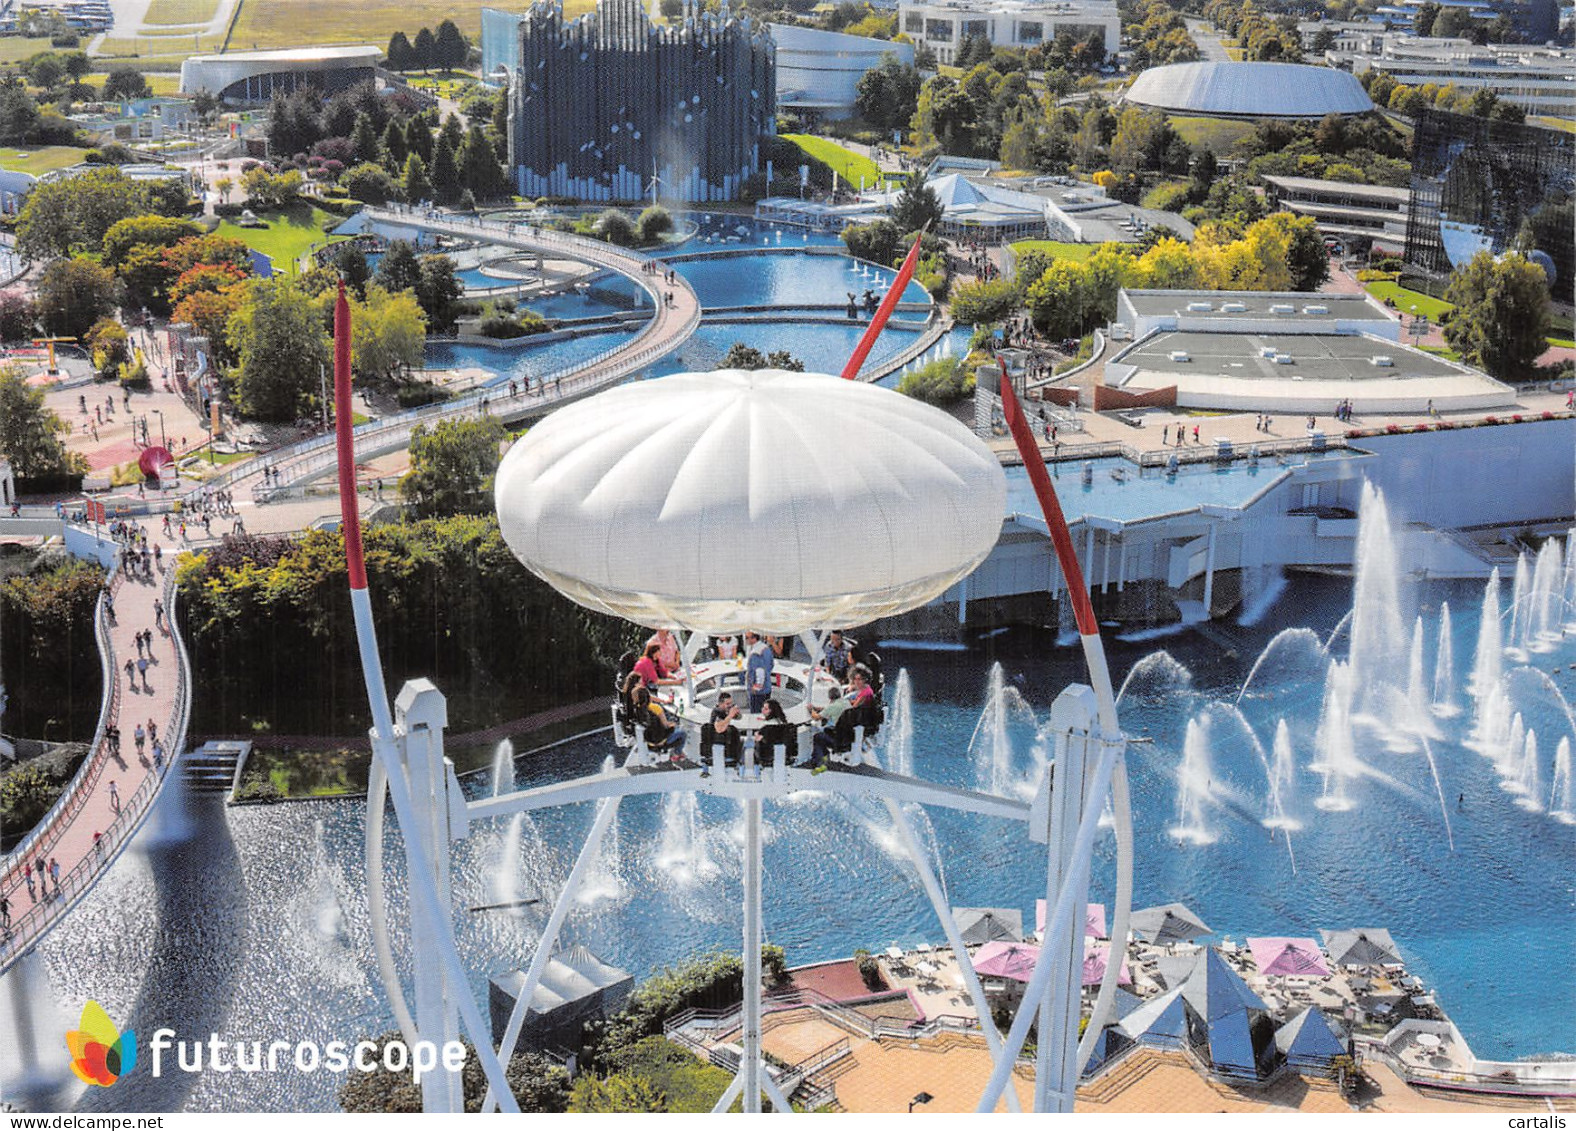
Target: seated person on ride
{"x":826,"y":717}
{"x":649,"y":668}
{"x":776,"y":731}
{"x":663,"y":732}
{"x":669,"y":659}
{"x":725,"y":647}
{"x":720,"y":731}
{"x":837,"y":656}
{"x":860,"y":693}
{"x":782,"y":647}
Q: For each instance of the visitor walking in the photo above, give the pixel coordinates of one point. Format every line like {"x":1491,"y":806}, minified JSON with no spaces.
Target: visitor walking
{"x":139,"y":736}
{"x":114,"y":796}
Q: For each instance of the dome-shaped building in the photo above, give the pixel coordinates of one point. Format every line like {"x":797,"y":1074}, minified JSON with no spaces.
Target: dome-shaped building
{"x":1249,"y":90}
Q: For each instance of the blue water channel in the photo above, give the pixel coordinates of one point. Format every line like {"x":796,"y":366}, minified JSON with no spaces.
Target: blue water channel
{"x":258,"y":926}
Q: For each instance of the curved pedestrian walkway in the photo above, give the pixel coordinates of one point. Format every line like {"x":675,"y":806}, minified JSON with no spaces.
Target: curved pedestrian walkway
{"x":115,"y":789}
{"x":673,"y":323}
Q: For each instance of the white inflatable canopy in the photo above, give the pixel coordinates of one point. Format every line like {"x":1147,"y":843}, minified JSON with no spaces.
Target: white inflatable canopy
{"x":762,"y":499}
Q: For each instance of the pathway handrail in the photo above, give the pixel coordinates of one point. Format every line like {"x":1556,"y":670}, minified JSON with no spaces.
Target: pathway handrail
{"x":109,"y":699}
{"x":315,"y":457}
{"x":310,"y":458}
{"x":39,"y":919}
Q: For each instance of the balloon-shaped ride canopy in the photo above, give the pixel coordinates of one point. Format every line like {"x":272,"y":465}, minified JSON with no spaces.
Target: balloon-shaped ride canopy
{"x":760,"y":499}
{"x":155,"y":462}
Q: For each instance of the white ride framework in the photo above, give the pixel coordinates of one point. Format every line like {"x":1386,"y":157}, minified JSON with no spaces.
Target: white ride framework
{"x":816,"y":469}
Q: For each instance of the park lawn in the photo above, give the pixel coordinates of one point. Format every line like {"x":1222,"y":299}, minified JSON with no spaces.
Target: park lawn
{"x":39,"y":159}
{"x":844,"y":162}
{"x":289,"y":235}
{"x":164,"y":12}
{"x":162,"y":83}
{"x":160,"y":51}
{"x":1077,"y":252}
{"x":13,"y":49}
{"x":1218,"y":135}
{"x":1404,"y":299}
{"x":296,"y":23}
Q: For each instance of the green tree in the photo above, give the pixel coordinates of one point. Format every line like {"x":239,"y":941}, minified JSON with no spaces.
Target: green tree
{"x":109,"y":345}
{"x":450,"y":47}
{"x":399,"y":269}
{"x":439,"y":291}
{"x":446,"y":186}
{"x":74,"y":213}
{"x":1056,"y":300}
{"x":30,"y":434}
{"x":387,"y":333}
{"x":983,"y":300}
{"x":537,"y":1083}
{"x":941,"y":382}
{"x":621,"y":1092}
{"x":418,"y":137}
{"x":654,"y":223}
{"x":73,"y":294}
{"x":1501,"y":316}
{"x":272,"y":190}
{"x":615,"y":227}
{"x":452,"y":466}
{"x":415,"y":187}
{"x":18,"y":112}
{"x":879,"y":241}
{"x":46,"y":69}
{"x":351,"y":263}
{"x":123,"y":84}
{"x":887,"y":95}
{"x":281,"y":349}
{"x":145,"y":231}
{"x":480,"y":171}
{"x":364,"y":139}
{"x":424,"y":53}
{"x":18,"y":316}
{"x":399,"y":52}
{"x":370,"y":183}
{"x":917,"y":207}
{"x":78,"y":65}
{"x":394,"y":148}
{"x":743,"y":356}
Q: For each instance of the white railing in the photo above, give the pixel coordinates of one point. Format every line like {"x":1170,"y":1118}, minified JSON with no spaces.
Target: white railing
{"x":28,"y":928}
{"x":312,"y":458}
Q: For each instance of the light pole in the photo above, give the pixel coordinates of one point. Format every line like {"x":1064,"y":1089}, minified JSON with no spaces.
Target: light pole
{"x":163,"y":439}
{"x":922,"y":1098}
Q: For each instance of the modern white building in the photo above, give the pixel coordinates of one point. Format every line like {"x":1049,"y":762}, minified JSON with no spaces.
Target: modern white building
{"x":1284,"y":353}
{"x":1248,"y":90}
{"x":943,"y":25}
{"x":1351,"y":212}
{"x":256,"y":76}
{"x":818,"y":72}
{"x":1541,"y":80}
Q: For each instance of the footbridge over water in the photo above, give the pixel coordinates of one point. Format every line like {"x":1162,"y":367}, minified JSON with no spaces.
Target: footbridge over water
{"x":114,"y":790}
{"x":671,"y":324}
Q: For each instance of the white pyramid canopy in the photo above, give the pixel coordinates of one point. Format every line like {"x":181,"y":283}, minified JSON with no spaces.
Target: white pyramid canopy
{"x":750,"y":499}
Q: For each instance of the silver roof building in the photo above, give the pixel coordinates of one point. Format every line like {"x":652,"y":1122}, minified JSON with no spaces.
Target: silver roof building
{"x":1249,"y":90}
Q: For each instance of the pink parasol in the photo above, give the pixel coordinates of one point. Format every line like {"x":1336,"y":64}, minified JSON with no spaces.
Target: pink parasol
{"x":1283,"y":957}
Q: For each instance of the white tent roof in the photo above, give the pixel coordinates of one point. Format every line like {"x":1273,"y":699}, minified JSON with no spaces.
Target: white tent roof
{"x":750,"y":499}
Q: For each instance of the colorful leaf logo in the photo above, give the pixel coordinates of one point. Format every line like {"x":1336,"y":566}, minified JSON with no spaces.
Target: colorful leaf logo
{"x":99,"y":1053}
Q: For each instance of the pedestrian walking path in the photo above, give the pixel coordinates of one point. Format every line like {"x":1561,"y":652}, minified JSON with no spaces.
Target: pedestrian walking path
{"x":115,"y":788}
{"x":678,"y":313}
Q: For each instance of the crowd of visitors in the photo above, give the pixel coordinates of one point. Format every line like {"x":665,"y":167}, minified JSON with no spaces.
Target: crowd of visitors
{"x":757,"y":719}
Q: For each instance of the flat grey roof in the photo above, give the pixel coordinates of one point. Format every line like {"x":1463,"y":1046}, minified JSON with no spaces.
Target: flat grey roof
{"x":1317,"y":357}
{"x":1257,"y":304}
{"x":1315,"y":184}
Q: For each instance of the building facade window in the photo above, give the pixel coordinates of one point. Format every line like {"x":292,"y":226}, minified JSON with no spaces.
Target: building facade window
{"x":1031,"y":31}
{"x":976,"y":27}
{"x":941,"y":30}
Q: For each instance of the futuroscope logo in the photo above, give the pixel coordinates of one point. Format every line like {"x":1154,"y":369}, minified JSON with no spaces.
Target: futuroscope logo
{"x":100,"y":1054}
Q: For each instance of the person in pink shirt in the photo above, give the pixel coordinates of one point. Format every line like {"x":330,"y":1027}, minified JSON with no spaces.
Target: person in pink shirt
{"x":669,"y":658}
{"x":649,"y":668}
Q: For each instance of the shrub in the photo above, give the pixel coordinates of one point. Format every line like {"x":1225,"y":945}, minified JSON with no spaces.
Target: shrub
{"x":615,"y":227}
{"x":984,"y":300}
{"x":941,"y":382}
{"x":869,"y":968}
{"x":654,"y":223}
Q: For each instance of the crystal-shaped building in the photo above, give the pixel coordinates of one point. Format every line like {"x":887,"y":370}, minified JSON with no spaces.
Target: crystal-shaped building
{"x":602,"y":106}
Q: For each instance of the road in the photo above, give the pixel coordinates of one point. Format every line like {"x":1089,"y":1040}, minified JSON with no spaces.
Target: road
{"x":1209,"y":42}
